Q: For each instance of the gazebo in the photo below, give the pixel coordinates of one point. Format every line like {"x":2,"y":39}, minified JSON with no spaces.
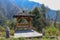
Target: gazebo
{"x":24,"y":20}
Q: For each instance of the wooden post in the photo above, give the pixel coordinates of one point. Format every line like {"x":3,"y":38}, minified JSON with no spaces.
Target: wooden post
{"x":7,"y":32}
{"x":30,"y":23}
{"x":43,"y":31}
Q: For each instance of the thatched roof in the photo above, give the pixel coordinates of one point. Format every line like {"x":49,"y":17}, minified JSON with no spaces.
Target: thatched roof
{"x":23,"y":14}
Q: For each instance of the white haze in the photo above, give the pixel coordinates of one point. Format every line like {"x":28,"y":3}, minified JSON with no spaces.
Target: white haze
{"x":52,"y":4}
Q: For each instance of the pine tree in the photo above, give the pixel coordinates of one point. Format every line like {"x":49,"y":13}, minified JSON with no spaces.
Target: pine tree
{"x":39,"y":21}
{"x":43,"y":16}
{"x":36,"y":20}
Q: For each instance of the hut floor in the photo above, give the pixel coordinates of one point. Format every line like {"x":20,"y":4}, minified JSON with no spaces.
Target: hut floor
{"x":26,"y":33}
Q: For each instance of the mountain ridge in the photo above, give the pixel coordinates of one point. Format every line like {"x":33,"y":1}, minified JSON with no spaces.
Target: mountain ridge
{"x":7,"y":8}
{"x":29,"y":5}
{"x":10,"y":7}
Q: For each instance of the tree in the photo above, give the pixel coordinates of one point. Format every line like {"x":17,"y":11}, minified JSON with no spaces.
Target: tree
{"x":2,"y":19}
{"x":39,"y":21}
{"x":56,"y":17}
{"x":43,"y":16}
{"x":36,"y":20}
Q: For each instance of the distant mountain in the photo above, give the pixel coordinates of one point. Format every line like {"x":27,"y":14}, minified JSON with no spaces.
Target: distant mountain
{"x":10,"y":7}
{"x":26,"y":4}
{"x":29,"y":5}
{"x":7,"y":9}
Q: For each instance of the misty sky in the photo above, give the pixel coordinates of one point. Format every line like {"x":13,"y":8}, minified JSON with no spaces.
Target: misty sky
{"x":52,"y":4}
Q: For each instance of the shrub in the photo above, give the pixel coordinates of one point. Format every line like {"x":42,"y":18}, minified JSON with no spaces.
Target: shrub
{"x":11,"y":32}
{"x":2,"y":34}
{"x":14,"y":39}
{"x":17,"y":39}
{"x":2,"y":38}
{"x":45,"y":38}
{"x":2,"y":28}
{"x":52,"y":31}
{"x":2,"y":31}
{"x":21,"y":38}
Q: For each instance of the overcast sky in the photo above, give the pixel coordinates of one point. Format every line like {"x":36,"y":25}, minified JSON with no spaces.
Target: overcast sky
{"x":52,"y":4}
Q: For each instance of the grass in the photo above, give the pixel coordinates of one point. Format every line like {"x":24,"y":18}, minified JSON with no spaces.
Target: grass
{"x":2,"y":37}
{"x":43,"y":38}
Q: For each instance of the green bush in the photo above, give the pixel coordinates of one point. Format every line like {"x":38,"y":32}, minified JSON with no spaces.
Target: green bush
{"x":51,"y":31}
{"x":14,"y":39}
{"x":21,"y":38}
{"x":2,"y":28}
{"x":2,"y":31}
{"x":45,"y":38}
{"x":2,"y":38}
{"x":2,"y":34}
{"x":17,"y":39}
{"x":11,"y":32}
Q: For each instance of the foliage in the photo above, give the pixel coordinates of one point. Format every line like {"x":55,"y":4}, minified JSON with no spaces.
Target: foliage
{"x":39,"y":20}
{"x":8,"y":22}
{"x":23,"y":21}
{"x":2,"y":31}
{"x":36,"y":20}
{"x":43,"y":16}
{"x":12,"y":38}
{"x":2,"y":34}
{"x":2,"y":19}
{"x":52,"y":31}
{"x":45,"y":38}
{"x":21,"y":38}
{"x":2,"y":38}
{"x":58,"y":25}
{"x":11,"y":23}
{"x":11,"y":32}
{"x":2,"y":28}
